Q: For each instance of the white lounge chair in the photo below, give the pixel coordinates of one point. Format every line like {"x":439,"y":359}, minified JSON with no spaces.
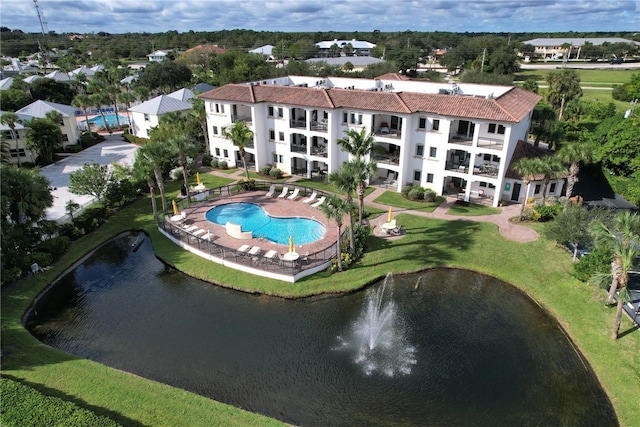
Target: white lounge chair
{"x":311,"y":198}
{"x":271,"y":191}
{"x":319,"y":202}
{"x":285,"y":191}
{"x":294,"y":194}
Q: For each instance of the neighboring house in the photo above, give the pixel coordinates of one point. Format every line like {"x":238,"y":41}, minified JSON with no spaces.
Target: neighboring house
{"x":146,"y":115}
{"x":552,"y":48}
{"x":359,"y":63}
{"x":89,"y":72}
{"x":202,"y":87}
{"x":69,"y":124}
{"x":159,"y":55}
{"x":59,"y":76}
{"x":266,"y":50}
{"x":21,"y":150}
{"x":360,"y":48}
{"x":513,"y":180}
{"x":5,"y":84}
{"x":446,"y":137}
{"x":32,"y":79}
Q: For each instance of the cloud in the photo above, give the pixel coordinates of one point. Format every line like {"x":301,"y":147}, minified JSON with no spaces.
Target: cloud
{"x":121,"y":16}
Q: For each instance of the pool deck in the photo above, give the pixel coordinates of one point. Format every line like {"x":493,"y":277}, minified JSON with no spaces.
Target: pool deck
{"x":273,"y":206}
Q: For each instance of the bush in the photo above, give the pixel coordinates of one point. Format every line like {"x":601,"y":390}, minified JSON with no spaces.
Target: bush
{"x":248,"y":184}
{"x":10,"y":275}
{"x":55,"y":246}
{"x":176,"y":174}
{"x":215,"y":163}
{"x":405,"y":190}
{"x":42,"y":258}
{"x":275,"y":173}
{"x":207,"y":159}
{"x":430,"y":196}
{"x":548,"y":212}
{"x":265,"y":170}
{"x":222,"y":164}
{"x":70,"y":230}
{"x":416,"y":193}
{"x":598,"y":261}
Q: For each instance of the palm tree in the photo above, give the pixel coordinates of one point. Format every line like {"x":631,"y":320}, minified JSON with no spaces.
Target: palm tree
{"x":574,"y":153}
{"x":528,"y":168}
{"x":551,"y":167}
{"x":623,"y":241}
{"x":184,"y":146}
{"x":84,"y":102}
{"x":156,"y":153}
{"x":335,"y":208}
{"x":344,"y":179}
{"x":199,"y":113}
{"x":98,"y":100}
{"x":362,"y":170}
{"x":358,"y":144}
{"x":5,"y":150}
{"x":143,"y":170}
{"x":241,"y":136}
{"x":10,"y":119}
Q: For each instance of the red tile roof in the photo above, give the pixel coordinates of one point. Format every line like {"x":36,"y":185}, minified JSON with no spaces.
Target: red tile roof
{"x":525,"y":150}
{"x":513,"y":106}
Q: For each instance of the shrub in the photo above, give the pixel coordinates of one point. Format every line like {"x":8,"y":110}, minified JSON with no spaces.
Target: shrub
{"x":416,"y":193}
{"x":176,"y":174}
{"x":247,"y":184}
{"x":215,"y":163}
{"x":10,"y":275}
{"x":275,"y":173}
{"x":222,"y":164}
{"x":548,"y":212}
{"x":70,"y":230}
{"x":207,"y":159}
{"x":430,"y":196}
{"x":42,"y":258}
{"x":55,"y":246}
{"x":405,"y":190}
{"x":598,"y":261}
{"x":265,"y":170}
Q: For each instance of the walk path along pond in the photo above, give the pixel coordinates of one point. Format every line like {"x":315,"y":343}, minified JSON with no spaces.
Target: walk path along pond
{"x":439,"y":347}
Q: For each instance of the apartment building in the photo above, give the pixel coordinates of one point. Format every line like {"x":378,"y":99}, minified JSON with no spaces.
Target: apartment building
{"x":451,"y":138}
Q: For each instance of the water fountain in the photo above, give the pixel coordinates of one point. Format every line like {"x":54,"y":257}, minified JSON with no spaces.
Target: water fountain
{"x":377,"y":338}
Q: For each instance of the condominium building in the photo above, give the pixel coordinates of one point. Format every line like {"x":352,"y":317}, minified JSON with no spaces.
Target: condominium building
{"x":451,"y":138}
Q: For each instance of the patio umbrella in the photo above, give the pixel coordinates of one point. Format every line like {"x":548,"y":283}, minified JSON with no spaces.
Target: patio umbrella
{"x":175,"y":208}
{"x":290,"y":243}
{"x":389,"y":216}
{"x":198,"y":178}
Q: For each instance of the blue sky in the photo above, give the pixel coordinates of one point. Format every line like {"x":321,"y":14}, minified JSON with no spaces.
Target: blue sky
{"x":155,"y":16}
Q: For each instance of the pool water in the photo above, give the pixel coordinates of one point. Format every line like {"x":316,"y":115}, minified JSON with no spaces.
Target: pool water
{"x":277,"y":230}
{"x":111,"y":120}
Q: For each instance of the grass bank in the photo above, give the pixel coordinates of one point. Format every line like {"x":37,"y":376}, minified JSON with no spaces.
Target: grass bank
{"x":539,"y":268}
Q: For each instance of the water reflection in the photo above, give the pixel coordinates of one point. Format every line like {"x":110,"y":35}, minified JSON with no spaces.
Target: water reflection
{"x":484,"y":353}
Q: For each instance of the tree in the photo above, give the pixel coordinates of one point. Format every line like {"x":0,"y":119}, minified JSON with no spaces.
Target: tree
{"x":143,"y":170}
{"x":92,"y":179}
{"x":184,"y":146}
{"x":574,"y":153}
{"x":51,"y":90}
{"x":155,"y":153}
{"x":98,"y":100}
{"x":564,"y":85}
{"x":542,"y":120}
{"x":71,"y":207}
{"x":199,"y":113}
{"x":617,"y":142}
{"x":623,"y":239}
{"x":84,"y":102}
{"x":528,"y":168}
{"x":570,"y":226}
{"x":241,"y":136}
{"x":10,"y":119}
{"x":551,"y":168}
{"x":359,"y":145}
{"x":531,"y":85}
{"x":165,"y":75}
{"x":43,"y":137}
{"x":344,"y":179}
{"x":14,"y":99}
{"x":335,"y":209}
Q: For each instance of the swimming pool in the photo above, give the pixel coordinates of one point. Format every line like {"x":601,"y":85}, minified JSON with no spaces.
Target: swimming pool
{"x":277,"y":230}
{"x":111,"y":120}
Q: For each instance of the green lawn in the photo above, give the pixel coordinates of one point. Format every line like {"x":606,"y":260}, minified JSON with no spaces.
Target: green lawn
{"x":587,"y":77}
{"x":472,"y":209}
{"x":540,"y":269}
{"x":397,"y":200}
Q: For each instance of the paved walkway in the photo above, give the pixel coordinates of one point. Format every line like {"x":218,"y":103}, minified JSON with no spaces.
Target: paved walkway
{"x":509,"y":230}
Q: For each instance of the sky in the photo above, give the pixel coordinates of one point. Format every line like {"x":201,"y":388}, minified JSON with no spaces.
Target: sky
{"x":157,"y":16}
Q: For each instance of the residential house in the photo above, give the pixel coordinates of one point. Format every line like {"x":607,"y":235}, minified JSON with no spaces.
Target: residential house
{"x":266,"y":50}
{"x":358,"y":47}
{"x":68,"y":125}
{"x":159,"y":55}
{"x":146,"y":115}
{"x":456,"y":138}
{"x":18,"y":150}
{"x":554,"y":48}
{"x":358,"y":63}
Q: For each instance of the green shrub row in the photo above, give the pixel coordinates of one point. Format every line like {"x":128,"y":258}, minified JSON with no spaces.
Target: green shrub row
{"x":25,"y":406}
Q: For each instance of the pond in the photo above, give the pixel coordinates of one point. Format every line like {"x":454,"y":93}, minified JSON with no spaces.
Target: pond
{"x":441,"y":347}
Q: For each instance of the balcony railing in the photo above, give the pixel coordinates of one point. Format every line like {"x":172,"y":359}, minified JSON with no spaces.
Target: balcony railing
{"x":456,"y":167}
{"x":487,"y":170}
{"x":393,"y":134}
{"x":492,"y":143}
{"x":298,"y":148}
{"x":387,"y":159}
{"x":460,"y":139}
{"x":319,"y":126}
{"x":319,"y":151}
{"x":238,"y":118}
{"x":298,"y":124}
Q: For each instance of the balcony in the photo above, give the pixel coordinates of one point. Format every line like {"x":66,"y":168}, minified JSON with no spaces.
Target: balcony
{"x":298,"y":148}
{"x":298,"y":124}
{"x":388,"y":159}
{"x":491,"y":143}
{"x":461,"y":139}
{"x":319,"y":151}
{"x":487,"y":170}
{"x":457,"y":167}
{"x":238,"y":118}
{"x":321,"y":126}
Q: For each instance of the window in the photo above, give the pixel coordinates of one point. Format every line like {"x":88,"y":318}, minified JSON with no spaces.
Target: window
{"x":495,"y":158}
{"x":146,"y":117}
{"x":280,"y":112}
{"x":272,"y":135}
{"x":422,"y":123}
{"x":225,"y":152}
{"x":552,"y":188}
{"x":487,"y":157}
{"x":270,"y":110}
{"x":281,"y":136}
{"x":344,"y":117}
{"x":417,"y":176}
{"x":537,"y":189}
{"x":492,"y":186}
{"x":219,"y":108}
{"x":483,"y":184}
{"x":433,"y":152}
{"x":215,"y":130}
{"x":492,"y":128}
{"x":419,"y":150}
{"x":429,"y":177}
{"x":218,"y":152}
{"x":501,"y":129}
{"x":65,"y":137}
{"x":436,"y":124}
{"x":19,"y":152}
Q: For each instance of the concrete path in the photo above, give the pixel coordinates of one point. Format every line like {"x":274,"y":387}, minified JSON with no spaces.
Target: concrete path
{"x":511,"y":231}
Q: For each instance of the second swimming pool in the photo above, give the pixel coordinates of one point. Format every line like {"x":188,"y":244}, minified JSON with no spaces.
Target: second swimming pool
{"x":277,"y":230}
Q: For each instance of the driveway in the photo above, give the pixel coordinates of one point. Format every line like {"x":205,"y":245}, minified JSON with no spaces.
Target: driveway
{"x":113,"y":149}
